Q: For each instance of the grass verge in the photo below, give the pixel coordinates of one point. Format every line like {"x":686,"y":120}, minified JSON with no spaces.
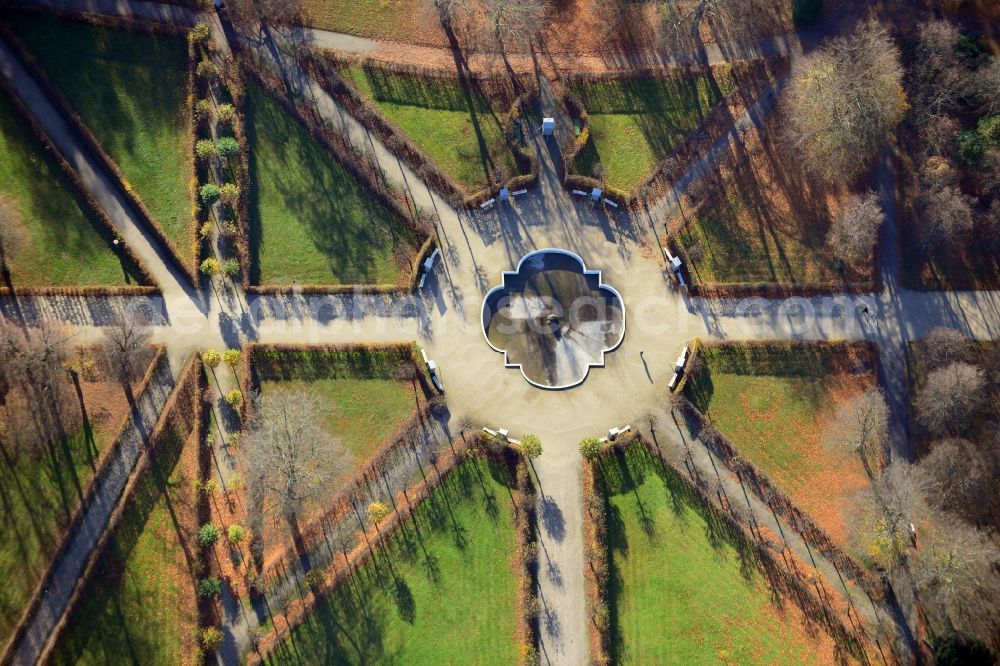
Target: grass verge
{"x":443,"y":590}
{"x":130,"y":90}
{"x":310,"y":221}
{"x":776,"y":403}
{"x":683,"y":587}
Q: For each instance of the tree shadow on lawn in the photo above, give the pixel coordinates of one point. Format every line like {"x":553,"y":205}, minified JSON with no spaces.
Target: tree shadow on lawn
{"x":109,"y":627}
{"x":350,"y":625}
{"x":623,"y":473}
{"x":346,"y":223}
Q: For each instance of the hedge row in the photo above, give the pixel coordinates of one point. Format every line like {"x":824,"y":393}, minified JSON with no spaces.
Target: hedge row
{"x":176,"y":417}
{"x":347,"y":157}
{"x":595,"y":573}
{"x":343,"y":91}
{"x":816,"y":608}
{"x":237,"y":91}
{"x":774,"y":497}
{"x":93,"y":146}
{"x":340,"y":572}
{"x":159,"y":358}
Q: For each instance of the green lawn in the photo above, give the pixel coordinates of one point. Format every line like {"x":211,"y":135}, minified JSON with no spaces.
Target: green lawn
{"x":367,"y":403}
{"x":52,"y":238}
{"x":775,"y":403}
{"x":310,"y":220}
{"x":635,"y":123}
{"x":39,"y":490}
{"x":683,"y":589}
{"x":141,"y":606}
{"x":458,"y":127}
{"x":131,"y":91}
{"x":453,"y":599}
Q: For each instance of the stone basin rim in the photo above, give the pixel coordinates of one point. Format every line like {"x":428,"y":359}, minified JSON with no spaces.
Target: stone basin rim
{"x":599,"y":363}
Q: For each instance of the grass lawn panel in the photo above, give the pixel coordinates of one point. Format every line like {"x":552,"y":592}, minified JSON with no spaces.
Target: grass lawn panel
{"x":53,"y":240}
{"x":131,"y":91}
{"x":141,"y":604}
{"x":458,"y":128}
{"x":408,"y":21}
{"x":775,"y":405}
{"x":453,"y":599}
{"x":682,"y":588}
{"x":635,"y":123}
{"x":39,"y":491}
{"x":310,"y":220}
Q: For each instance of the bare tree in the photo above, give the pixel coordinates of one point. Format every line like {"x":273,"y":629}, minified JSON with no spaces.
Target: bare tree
{"x":937,"y":173}
{"x":861,"y":426}
{"x":939,"y":79}
{"x":854,"y":232}
{"x":985,"y":84}
{"x":956,"y":573}
{"x":945,"y":217}
{"x":949,"y":396}
{"x":958,"y":478}
{"x":942,"y":346}
{"x":125,"y":340}
{"x":291,"y":457}
{"x":729,"y":20}
{"x":939,"y":136}
{"x":513,"y":23}
{"x":844,"y":101}
{"x":883,"y":514}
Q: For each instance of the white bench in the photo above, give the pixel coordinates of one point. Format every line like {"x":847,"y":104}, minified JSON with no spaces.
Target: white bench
{"x":423,"y":278}
{"x":610,"y":202}
{"x":581,"y":193}
{"x":487,"y":204}
{"x":673,"y":381}
{"x":429,"y":262}
{"x":424,"y":354}
{"x":519,"y":192}
{"x":681,"y":361}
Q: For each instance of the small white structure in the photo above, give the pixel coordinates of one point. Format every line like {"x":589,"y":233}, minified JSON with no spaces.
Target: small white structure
{"x":614,"y":432}
{"x":487,"y":204}
{"x":432,"y":368}
{"x":580,"y":192}
{"x":548,"y":126}
{"x":681,"y":361}
{"x":504,"y":195}
{"x":610,"y":203}
{"x":503,"y":432}
{"x":595,"y":195}
{"x":673,"y":382}
{"x":517,"y":193}
{"x":429,"y":262}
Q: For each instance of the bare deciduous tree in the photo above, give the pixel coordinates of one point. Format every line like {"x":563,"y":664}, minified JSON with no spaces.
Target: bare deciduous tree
{"x":862,"y":426}
{"x":945,"y":217}
{"x":125,"y":339}
{"x":939,"y":79}
{"x":939,"y":136}
{"x":843,"y":101}
{"x":957,"y":478}
{"x":729,"y":20}
{"x":854,"y":232}
{"x":986,"y":85}
{"x":955,"y":570}
{"x":513,"y":23}
{"x":942,"y":346}
{"x":951,"y":394}
{"x":883,"y":514}
{"x":291,"y":457}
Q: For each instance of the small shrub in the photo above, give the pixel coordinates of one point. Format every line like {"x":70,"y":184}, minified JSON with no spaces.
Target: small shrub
{"x":206,"y":69}
{"x":211,"y":639}
{"x":212,"y":358}
{"x":377,"y":511}
{"x":209,"y":588}
{"x":590,"y":447}
{"x":989,"y":130}
{"x":236,"y":533}
{"x":229,"y":193}
{"x":204,"y":149}
{"x":530,"y":446}
{"x":210,"y":486}
{"x":227,"y":147}
{"x":209,"y":193}
{"x":234,"y":398}
{"x":231,"y":357}
{"x":226,"y":113}
{"x":210,"y":267}
{"x":202,"y":110}
{"x":200,"y":33}
{"x":313,"y":578}
{"x":235,"y":482}
{"x":208,"y":534}
{"x":205,"y":230}
{"x":233,"y":440}
{"x":230,"y":268}
{"x":970,"y":147}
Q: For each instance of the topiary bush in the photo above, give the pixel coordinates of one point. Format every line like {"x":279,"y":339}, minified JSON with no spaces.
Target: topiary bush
{"x":209,"y":267}
{"x":209,"y":193}
{"x":200,"y":33}
{"x":228,"y":147}
{"x":234,"y":398}
{"x":226,"y":113}
{"x":204,"y":149}
{"x":206,"y":69}
{"x":236,"y":533}
{"x":209,"y":588}
{"x":211,"y":639}
{"x":208,"y":534}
